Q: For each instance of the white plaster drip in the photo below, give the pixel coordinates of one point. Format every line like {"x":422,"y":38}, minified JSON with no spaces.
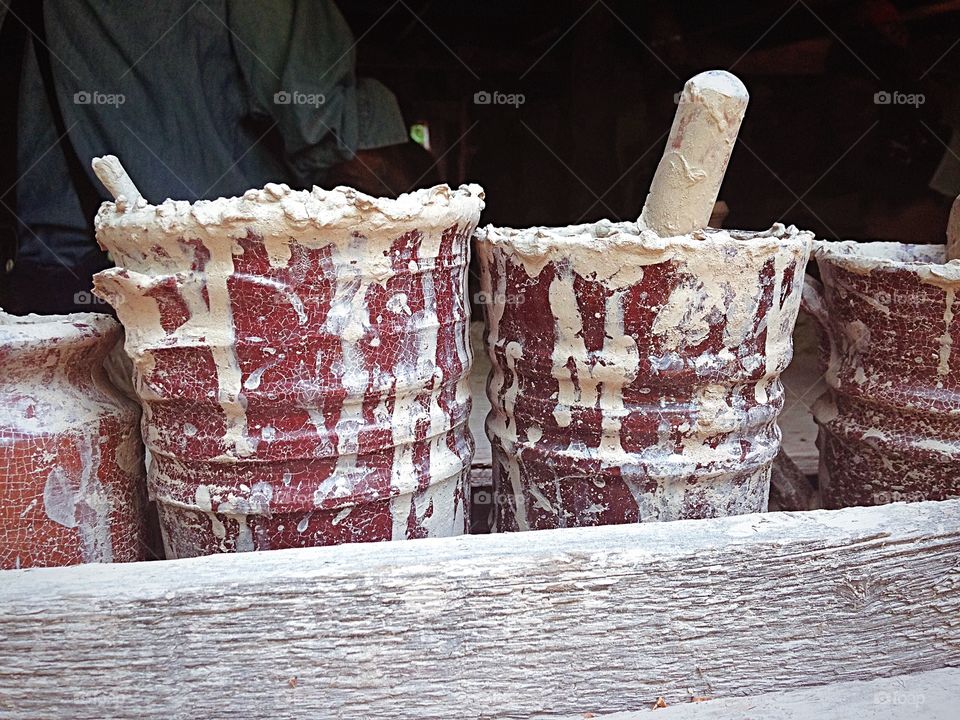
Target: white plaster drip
{"x":82,"y":501}
{"x":619,"y":351}
{"x":220,"y":336}
{"x":348,"y":319}
{"x":575,"y":387}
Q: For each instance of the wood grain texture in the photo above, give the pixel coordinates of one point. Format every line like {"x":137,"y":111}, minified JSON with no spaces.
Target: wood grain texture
{"x":543,"y":623}
{"x":922,"y":696}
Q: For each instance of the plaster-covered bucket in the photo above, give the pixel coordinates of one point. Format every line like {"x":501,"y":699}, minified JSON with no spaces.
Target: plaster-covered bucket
{"x":301,"y":358}
{"x":72,"y":484}
{"x":635,"y":378}
{"x":890,"y":419}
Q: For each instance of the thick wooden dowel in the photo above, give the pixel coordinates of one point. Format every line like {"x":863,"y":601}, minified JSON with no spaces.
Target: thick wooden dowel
{"x":688,"y":179}
{"x":115,"y":179}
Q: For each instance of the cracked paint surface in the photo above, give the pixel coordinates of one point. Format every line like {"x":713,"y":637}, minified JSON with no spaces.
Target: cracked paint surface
{"x":635,"y":378}
{"x":302,"y":362}
{"x":889,"y":422}
{"x":72,"y":484}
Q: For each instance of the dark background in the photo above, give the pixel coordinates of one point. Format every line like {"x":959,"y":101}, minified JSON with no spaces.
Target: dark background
{"x":599,"y":80}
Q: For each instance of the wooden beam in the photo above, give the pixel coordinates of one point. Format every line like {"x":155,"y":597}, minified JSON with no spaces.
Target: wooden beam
{"x":522,"y":625}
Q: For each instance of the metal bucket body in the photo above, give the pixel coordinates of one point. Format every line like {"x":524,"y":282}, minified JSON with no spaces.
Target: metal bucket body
{"x":635,"y":378}
{"x":72,"y":484}
{"x":889,"y":423}
{"x":301,"y":358}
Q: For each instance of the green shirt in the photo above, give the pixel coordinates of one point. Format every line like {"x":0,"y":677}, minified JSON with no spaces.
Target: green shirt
{"x":197,"y":99}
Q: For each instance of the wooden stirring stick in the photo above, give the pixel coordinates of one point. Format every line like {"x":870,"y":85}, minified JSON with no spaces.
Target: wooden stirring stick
{"x":115,"y":178}
{"x":688,"y":178}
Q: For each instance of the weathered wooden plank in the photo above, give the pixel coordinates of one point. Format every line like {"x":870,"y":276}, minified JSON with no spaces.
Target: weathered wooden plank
{"x":922,"y":696}
{"x":557,"y":622}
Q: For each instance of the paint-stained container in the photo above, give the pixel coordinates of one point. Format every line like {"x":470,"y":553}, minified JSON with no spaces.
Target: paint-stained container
{"x":635,"y":378}
{"x":71,"y":462}
{"x":302,"y":361}
{"x":889,"y":422}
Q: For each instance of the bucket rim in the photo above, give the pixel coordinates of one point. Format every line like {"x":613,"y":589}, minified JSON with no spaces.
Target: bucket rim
{"x":627,"y":235}
{"x":279,"y":207}
{"x":865,"y":257}
{"x":18,"y":331}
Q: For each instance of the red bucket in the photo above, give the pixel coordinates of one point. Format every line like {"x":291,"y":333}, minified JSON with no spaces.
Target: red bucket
{"x":71,"y":461}
{"x":302,"y":361}
{"x":635,"y":378}
{"x":890,"y":419}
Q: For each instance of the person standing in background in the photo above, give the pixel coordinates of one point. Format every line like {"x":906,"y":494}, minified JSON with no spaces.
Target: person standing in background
{"x":200,"y":99}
